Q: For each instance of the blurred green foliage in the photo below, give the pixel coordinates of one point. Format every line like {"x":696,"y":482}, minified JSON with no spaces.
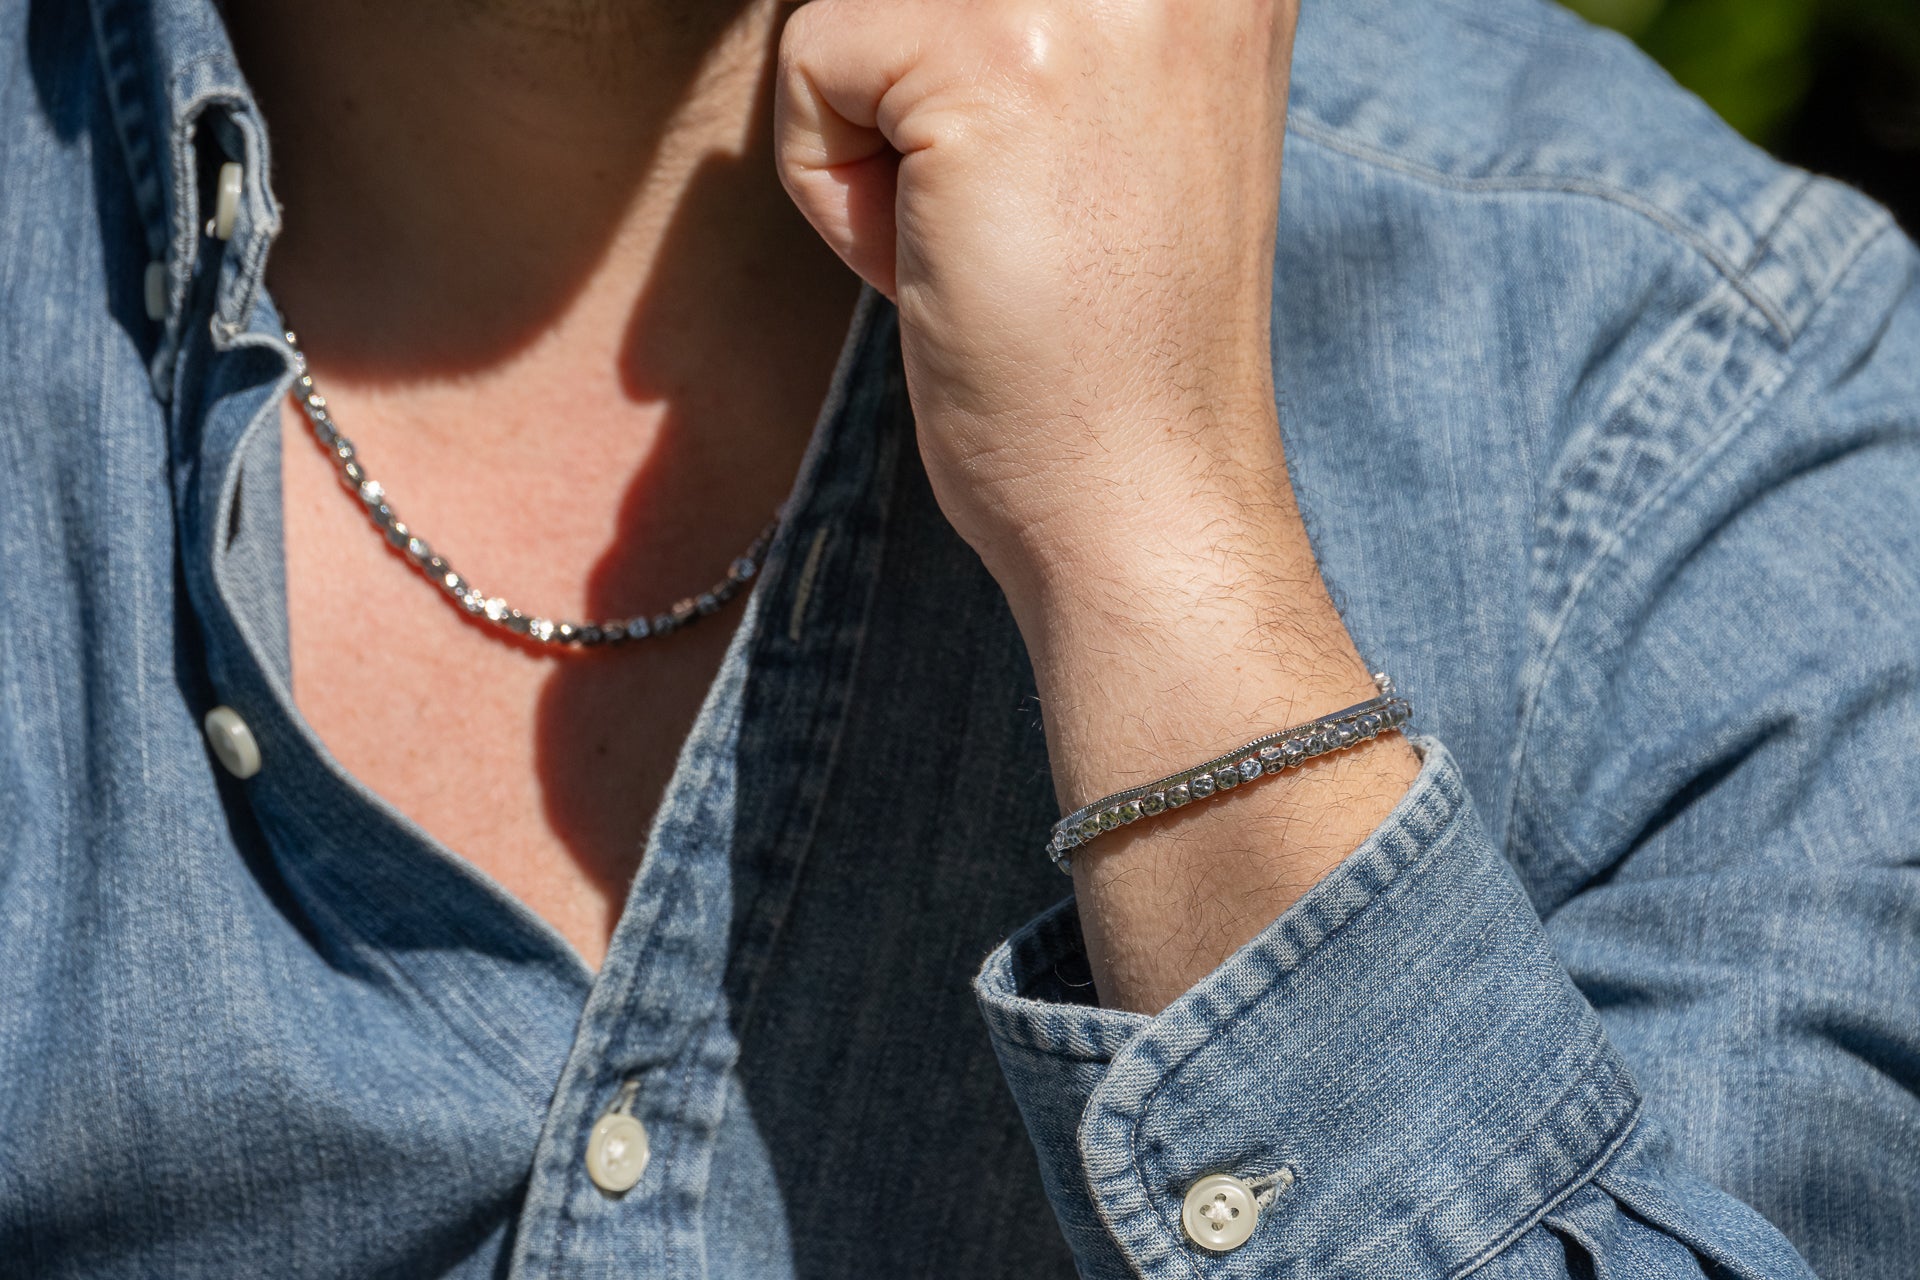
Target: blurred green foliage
{"x":1754,"y":61}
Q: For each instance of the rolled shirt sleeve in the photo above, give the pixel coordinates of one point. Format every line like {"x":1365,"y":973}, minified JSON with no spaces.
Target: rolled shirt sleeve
{"x":1398,"y":1070}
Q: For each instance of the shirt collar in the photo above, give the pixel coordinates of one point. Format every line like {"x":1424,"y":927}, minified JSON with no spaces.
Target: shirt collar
{"x":182,"y":110}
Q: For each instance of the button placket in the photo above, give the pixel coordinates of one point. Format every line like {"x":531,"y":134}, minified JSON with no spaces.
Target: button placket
{"x":657,"y":1010}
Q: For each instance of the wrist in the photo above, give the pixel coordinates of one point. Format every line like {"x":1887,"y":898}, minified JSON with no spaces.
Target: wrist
{"x":1146,"y":664}
{"x":1127,"y":700}
{"x":1152,"y":657}
{"x":1164,"y":512}
{"x":1166,"y":899}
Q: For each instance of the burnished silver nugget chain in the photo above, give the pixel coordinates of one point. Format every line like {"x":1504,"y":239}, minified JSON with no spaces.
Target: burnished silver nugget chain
{"x":471,"y":599}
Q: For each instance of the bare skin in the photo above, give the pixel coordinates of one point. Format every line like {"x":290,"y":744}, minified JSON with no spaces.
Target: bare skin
{"x":525,"y":297}
{"x":538,"y":350}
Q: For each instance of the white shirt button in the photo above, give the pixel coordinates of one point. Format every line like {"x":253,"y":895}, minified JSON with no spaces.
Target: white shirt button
{"x":1220,"y":1212}
{"x":226,"y":200}
{"x":616,"y":1152}
{"x":232,"y":742}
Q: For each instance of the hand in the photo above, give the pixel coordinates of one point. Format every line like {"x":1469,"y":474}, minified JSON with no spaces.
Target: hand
{"x":1073,"y":204}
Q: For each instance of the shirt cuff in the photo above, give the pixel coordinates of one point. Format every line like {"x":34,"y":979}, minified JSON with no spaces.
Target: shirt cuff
{"x":1399,"y":1058}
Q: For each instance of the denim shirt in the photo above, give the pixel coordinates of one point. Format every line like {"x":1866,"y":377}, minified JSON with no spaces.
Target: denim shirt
{"x":1607,"y":432}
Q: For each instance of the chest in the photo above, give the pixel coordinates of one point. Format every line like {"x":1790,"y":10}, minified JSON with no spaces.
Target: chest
{"x":541,"y":769}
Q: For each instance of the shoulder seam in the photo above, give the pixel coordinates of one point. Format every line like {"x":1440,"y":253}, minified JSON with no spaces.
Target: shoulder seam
{"x":1737,"y":274}
{"x":1541,"y":661}
{"x":1550,"y":26}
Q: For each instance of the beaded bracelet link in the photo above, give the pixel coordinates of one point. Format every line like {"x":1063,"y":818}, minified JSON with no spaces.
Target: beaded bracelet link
{"x":1262,"y":756}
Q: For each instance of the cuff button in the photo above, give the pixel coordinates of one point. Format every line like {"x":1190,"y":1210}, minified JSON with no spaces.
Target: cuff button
{"x":1220,"y":1213}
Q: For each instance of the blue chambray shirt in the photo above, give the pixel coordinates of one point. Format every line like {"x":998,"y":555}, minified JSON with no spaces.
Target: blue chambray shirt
{"x":1607,"y":431}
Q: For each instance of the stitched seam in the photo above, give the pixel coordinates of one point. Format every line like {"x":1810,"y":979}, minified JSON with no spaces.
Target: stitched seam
{"x":1033,"y":1034}
{"x":1062,"y":1055}
{"x":1683,"y":469}
{"x":112,"y":40}
{"x":251,"y":255}
{"x":1441,"y":792}
{"x":603,"y":1013}
{"x":1609,"y":541}
{"x":1448,"y":835}
{"x":1560,"y":37}
{"x":1541,"y":184}
{"x":1602,"y":559}
{"x":1442,"y":842}
{"x":1762,"y":245}
{"x":1556,"y":1198}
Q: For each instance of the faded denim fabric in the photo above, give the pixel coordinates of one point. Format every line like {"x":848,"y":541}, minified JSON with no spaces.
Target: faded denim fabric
{"x":1607,"y":431}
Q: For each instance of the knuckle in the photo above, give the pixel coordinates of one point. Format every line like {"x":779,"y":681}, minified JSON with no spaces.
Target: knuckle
{"x":1027,"y":42}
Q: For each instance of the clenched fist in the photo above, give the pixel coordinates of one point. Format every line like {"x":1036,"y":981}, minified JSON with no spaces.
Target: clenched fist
{"x":1073,"y":204}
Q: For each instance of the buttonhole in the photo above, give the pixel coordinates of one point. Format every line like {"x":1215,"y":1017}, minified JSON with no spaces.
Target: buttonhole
{"x":804,"y":591}
{"x":1270,"y":1187}
{"x":233,"y":513}
{"x":622,"y":1102}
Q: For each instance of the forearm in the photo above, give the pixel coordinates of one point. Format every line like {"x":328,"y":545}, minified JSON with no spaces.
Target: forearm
{"x":1180,"y":634}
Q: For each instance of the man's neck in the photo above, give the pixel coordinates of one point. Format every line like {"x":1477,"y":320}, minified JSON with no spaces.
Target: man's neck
{"x":467,"y":180}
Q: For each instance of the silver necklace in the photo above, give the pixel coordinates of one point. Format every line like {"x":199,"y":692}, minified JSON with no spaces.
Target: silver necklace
{"x":493,"y":610}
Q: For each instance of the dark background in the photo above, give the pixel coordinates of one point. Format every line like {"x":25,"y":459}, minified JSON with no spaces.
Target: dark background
{"x":1831,"y":85}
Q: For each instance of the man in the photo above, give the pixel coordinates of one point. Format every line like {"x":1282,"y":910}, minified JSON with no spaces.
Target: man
{"x":611,"y":911}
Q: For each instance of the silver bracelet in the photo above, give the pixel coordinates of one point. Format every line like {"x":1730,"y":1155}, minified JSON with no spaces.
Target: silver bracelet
{"x":1262,"y":756}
